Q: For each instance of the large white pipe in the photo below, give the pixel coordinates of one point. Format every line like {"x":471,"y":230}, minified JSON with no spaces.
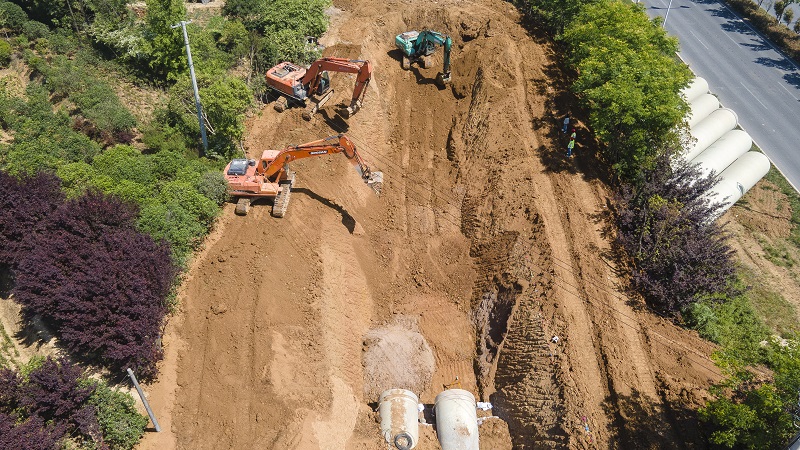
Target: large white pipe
{"x":739,"y":178}
{"x":700,"y":108}
{"x":722,"y":153}
{"x":696,"y":88}
{"x":456,"y":420}
{"x":709,"y":130}
{"x":399,"y":418}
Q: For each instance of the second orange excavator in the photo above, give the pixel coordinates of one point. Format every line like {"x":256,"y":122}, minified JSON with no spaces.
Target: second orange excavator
{"x":271,"y":177}
{"x":296,"y":84}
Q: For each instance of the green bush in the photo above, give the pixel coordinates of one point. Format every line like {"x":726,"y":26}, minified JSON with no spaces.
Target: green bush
{"x":12,"y":16}
{"x":214,"y":186}
{"x":35,"y":30}
{"x":160,"y":136}
{"x":123,"y":162}
{"x":122,"y":426}
{"x":172,"y":223}
{"x":5,"y":53}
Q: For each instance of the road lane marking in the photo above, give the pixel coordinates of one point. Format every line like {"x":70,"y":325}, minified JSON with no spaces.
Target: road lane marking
{"x":790,"y":92}
{"x":754,"y":95}
{"x":698,"y":40}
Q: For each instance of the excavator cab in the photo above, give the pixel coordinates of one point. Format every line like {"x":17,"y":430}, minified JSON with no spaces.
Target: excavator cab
{"x":324,"y":83}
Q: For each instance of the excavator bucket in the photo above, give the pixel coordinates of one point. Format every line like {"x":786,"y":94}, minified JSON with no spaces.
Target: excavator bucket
{"x":443,"y":78}
{"x":375,"y":181}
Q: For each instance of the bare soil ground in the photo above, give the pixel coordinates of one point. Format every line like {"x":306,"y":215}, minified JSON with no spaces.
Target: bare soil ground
{"x":486,"y":237}
{"x":486,"y":243}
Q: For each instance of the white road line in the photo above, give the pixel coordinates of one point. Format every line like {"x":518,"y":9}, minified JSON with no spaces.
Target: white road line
{"x":698,"y":40}
{"x":790,"y":92}
{"x":754,"y":95}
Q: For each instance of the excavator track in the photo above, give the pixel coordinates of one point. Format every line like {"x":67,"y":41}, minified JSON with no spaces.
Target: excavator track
{"x":281,"y":203}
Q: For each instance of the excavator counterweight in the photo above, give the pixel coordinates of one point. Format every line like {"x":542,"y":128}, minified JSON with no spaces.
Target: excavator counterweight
{"x":270,"y":176}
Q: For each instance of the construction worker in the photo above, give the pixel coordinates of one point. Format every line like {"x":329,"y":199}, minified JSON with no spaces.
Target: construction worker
{"x":566,"y":124}
{"x":570,"y":146}
{"x":572,"y":136}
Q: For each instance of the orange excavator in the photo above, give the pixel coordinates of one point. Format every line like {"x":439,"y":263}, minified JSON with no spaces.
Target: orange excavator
{"x":294,"y":83}
{"x":249,"y":179}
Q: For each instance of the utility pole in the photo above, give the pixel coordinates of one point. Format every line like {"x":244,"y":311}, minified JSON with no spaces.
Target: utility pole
{"x":197,"y":104}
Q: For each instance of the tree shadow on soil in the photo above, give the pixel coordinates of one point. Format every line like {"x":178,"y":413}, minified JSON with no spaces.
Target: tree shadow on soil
{"x":639,"y":423}
{"x":6,"y":281}
{"x":347,"y":220}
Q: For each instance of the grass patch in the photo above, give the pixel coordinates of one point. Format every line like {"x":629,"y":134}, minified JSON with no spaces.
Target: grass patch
{"x":777,"y":254}
{"x":8,"y":353}
{"x":776,"y":312}
{"x":792,"y":195}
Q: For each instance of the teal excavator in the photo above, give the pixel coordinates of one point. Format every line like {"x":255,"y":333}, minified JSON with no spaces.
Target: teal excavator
{"x":418,"y":46}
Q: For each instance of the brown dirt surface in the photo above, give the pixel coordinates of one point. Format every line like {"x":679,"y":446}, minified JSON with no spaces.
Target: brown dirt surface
{"x":485,"y":235}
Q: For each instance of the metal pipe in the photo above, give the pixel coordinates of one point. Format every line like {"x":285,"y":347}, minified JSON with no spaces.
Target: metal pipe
{"x":144,"y":400}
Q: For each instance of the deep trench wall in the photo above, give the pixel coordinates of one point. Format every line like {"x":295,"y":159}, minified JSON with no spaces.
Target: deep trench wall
{"x":488,"y":144}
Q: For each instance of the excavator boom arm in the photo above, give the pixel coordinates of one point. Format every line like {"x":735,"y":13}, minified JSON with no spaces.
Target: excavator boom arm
{"x":363,"y":69}
{"x":326,"y":146}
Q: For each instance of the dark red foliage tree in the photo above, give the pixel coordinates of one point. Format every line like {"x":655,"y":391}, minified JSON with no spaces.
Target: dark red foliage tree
{"x":101,"y":283}
{"x":667,"y":228}
{"x":53,"y":392}
{"x":31,"y":434}
{"x":24,"y":202}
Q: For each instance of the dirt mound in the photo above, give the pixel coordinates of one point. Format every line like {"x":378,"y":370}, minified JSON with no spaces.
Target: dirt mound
{"x":396,"y":356}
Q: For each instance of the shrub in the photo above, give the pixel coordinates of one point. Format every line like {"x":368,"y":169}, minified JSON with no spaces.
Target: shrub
{"x":43,"y":139}
{"x":213,"y":185}
{"x":678,"y":253}
{"x":53,"y":392}
{"x":12,"y":16}
{"x":172,"y":223}
{"x":120,"y":422}
{"x":24,"y":203}
{"x":5,"y":54}
{"x":35,"y":30}
{"x":30,"y":434}
{"x":100,"y":283}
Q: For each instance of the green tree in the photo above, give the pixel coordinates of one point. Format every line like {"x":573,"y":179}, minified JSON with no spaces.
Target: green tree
{"x":5,"y":53}
{"x":628,"y":81}
{"x":164,"y":45}
{"x":225,"y":100}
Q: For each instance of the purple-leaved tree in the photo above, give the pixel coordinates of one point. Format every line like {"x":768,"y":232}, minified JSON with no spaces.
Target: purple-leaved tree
{"x":24,"y":203}
{"x":678,"y":252}
{"x":98,"y":281}
{"x":32,"y":434}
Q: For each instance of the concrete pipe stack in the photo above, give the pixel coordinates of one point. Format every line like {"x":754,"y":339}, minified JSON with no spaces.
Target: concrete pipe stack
{"x":700,"y":108}
{"x":708,"y":130}
{"x":722,"y":153}
{"x":738,"y":178}
{"x":696,"y":88}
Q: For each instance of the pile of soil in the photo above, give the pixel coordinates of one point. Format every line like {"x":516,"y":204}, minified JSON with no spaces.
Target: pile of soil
{"x":396,"y":356}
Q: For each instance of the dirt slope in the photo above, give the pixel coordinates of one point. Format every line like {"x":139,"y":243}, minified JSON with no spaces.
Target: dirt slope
{"x":487,"y":241}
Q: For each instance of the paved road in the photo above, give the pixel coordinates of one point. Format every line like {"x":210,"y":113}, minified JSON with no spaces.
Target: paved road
{"x":745,"y":71}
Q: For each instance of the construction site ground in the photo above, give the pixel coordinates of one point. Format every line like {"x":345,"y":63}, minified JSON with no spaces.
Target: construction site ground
{"x":485,"y":244}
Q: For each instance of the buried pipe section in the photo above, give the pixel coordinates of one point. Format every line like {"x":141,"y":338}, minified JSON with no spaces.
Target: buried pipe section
{"x":456,"y":420}
{"x":399,"y":418}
